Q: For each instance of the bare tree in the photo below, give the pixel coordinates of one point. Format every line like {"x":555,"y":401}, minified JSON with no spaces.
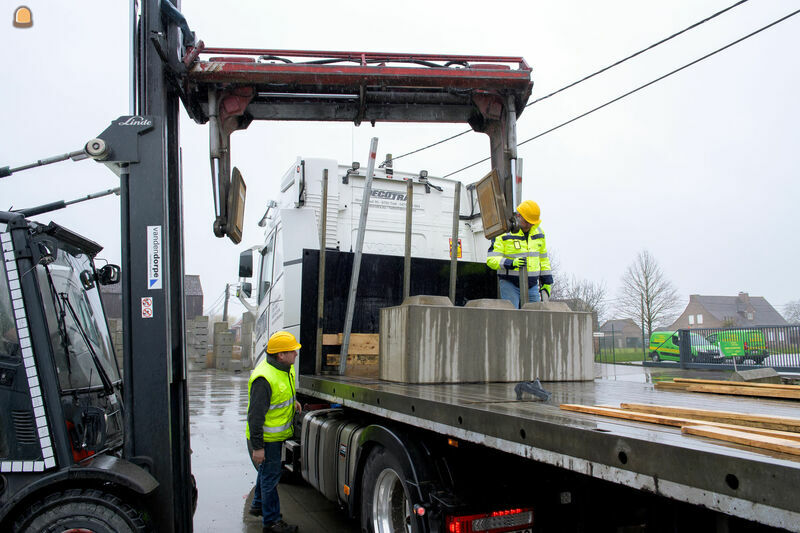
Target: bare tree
{"x":647,"y":296}
{"x":592,"y":295}
{"x":791,"y":312}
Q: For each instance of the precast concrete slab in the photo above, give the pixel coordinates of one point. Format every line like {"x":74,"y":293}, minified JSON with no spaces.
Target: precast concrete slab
{"x":423,"y":343}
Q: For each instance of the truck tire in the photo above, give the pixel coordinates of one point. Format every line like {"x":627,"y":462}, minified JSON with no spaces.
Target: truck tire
{"x":81,"y":509}
{"x":654,"y":356}
{"x":385,"y":505}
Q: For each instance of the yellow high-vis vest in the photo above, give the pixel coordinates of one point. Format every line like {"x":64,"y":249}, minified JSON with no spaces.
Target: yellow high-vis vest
{"x":532,"y":248}
{"x":280,"y":414}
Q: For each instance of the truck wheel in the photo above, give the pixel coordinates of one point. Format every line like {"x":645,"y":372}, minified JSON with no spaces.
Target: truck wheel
{"x":654,"y":356}
{"x":81,"y":510}
{"x":385,"y":507}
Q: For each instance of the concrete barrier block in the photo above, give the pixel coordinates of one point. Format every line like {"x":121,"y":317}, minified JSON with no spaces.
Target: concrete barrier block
{"x":548,"y":306}
{"x":490,"y":303}
{"x":440,"y":344}
{"x":426,"y":299}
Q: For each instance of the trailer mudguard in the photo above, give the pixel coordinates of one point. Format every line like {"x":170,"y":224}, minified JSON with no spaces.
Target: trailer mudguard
{"x":412,"y":453}
{"x":104,"y":469}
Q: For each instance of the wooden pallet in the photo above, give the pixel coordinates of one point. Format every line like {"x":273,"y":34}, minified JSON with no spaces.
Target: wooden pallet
{"x":362,"y":354}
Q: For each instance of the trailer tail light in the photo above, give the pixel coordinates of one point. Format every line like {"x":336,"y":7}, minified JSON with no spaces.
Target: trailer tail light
{"x":494,"y":522}
{"x":745,"y":345}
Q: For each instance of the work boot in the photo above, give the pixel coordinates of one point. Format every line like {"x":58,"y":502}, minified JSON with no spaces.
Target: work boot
{"x":279,"y":527}
{"x":255,"y":511}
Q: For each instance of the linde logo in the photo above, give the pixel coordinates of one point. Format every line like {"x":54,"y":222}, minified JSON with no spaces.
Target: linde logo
{"x":154,"y":257}
{"x":136,"y":121}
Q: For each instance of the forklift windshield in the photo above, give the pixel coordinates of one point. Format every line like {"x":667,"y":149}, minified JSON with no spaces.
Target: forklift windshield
{"x":84,"y":355}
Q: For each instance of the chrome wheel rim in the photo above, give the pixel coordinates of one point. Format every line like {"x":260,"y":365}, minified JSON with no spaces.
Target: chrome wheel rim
{"x":390,"y":507}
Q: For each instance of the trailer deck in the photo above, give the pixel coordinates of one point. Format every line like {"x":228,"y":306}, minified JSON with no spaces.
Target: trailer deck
{"x":734,"y":479}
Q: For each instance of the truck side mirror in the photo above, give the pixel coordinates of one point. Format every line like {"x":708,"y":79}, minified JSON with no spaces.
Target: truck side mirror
{"x":109,"y":275}
{"x":246,"y":289}
{"x":246,"y":264}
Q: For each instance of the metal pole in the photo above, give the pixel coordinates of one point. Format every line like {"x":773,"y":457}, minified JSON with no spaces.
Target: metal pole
{"x":613,"y":345}
{"x":454,"y":242}
{"x":407,"y":257}
{"x":362,"y":227}
{"x":225,"y":308}
{"x":511,"y":114}
{"x":321,"y":274}
{"x":518,"y":183}
{"x":523,"y":283}
{"x":642,"y":300}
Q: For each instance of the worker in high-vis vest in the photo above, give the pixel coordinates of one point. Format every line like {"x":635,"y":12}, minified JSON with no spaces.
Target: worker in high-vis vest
{"x":525,"y":247}
{"x":271,"y":407}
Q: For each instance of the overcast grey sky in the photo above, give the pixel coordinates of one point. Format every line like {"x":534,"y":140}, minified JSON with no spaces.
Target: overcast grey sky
{"x":701,"y":169}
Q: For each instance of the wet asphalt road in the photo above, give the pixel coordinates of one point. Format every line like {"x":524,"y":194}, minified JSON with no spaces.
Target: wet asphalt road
{"x":225,"y":477}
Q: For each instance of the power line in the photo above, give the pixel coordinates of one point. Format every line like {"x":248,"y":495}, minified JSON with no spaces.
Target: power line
{"x":585,"y":78}
{"x":618,"y":98}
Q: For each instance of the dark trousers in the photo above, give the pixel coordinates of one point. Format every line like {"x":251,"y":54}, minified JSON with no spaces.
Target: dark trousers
{"x":266,"y":493}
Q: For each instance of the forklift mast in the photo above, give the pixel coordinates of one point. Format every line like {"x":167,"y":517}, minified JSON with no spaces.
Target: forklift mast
{"x":229,"y":88}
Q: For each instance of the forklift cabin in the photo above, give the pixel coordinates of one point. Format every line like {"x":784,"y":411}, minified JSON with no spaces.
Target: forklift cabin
{"x":62,"y":429}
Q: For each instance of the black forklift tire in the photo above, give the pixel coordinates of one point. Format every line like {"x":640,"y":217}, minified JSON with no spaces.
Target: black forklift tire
{"x":382,"y":468}
{"x":654,"y":357}
{"x":81,"y":509}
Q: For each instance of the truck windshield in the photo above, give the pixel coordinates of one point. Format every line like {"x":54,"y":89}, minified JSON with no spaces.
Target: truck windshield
{"x":84,"y":355}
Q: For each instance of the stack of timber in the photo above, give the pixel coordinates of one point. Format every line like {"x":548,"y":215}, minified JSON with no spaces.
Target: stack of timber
{"x":362,"y":354}
{"x":738,"y":388}
{"x":780,"y":434}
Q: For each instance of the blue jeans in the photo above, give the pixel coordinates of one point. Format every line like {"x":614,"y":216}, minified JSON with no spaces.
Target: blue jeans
{"x":266,"y":493}
{"x":509,"y":290}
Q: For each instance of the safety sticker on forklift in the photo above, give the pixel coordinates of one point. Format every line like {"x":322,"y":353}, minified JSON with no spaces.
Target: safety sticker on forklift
{"x":147,"y":307}
{"x":154,"y":271}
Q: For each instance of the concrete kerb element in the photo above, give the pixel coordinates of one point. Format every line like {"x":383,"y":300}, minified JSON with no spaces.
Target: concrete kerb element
{"x":446,"y":344}
{"x":490,"y":303}
{"x":547,"y":306}
{"x":427,"y":299}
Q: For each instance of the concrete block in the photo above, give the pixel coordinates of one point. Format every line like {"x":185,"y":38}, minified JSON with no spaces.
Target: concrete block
{"x":425,"y":299}
{"x":445,"y":344}
{"x":548,"y":306}
{"x":223,"y":339}
{"x":235,"y":366}
{"x":757,"y":375}
{"x":219,"y":327}
{"x":490,"y":303}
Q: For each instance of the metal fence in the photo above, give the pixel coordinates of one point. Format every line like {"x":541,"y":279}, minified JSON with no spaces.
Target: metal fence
{"x":777,"y":347}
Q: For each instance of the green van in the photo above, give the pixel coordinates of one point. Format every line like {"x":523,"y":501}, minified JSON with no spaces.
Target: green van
{"x":664,"y":347}
{"x":753,"y":341}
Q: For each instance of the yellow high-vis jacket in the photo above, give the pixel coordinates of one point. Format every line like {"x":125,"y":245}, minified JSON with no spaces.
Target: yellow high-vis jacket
{"x":530,"y":248}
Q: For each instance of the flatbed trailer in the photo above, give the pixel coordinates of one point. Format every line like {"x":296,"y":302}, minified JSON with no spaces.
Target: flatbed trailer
{"x":734,"y":480}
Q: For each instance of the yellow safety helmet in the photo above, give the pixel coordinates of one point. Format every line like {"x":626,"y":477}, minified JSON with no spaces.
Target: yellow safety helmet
{"x":282,"y":341}
{"x":529,"y":211}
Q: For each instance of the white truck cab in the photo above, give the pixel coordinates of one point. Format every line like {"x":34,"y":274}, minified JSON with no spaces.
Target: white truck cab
{"x":293,"y":224}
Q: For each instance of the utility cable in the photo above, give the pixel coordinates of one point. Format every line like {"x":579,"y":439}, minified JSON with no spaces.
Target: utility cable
{"x":618,"y":98}
{"x":585,"y":78}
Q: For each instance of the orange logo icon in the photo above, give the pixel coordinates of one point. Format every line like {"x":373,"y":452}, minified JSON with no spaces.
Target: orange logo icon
{"x":23,"y":18}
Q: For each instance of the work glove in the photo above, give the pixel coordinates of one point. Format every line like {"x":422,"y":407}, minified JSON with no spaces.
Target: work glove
{"x":546,"y":288}
{"x":512,"y":263}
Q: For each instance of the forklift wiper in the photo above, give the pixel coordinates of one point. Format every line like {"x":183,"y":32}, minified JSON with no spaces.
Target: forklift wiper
{"x":60,"y":317}
{"x":107,"y":386}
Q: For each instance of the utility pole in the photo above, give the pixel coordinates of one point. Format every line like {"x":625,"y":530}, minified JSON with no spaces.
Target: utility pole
{"x":227,"y":296}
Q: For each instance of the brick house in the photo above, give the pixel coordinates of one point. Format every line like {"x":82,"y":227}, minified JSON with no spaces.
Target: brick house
{"x":624,"y":332}
{"x":742,"y":311}
{"x":193,"y":295}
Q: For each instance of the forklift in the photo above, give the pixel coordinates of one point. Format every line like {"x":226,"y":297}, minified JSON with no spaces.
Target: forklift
{"x":123,"y":445}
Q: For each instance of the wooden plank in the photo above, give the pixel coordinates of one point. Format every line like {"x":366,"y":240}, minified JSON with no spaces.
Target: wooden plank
{"x":674,"y":421}
{"x":738,"y":383}
{"x":353,"y":359}
{"x":670,"y":385}
{"x":745,"y":437}
{"x":779,"y":423}
{"x":736,"y":390}
{"x":331,"y":339}
{"x":360,"y":343}
{"x":745,"y":391}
